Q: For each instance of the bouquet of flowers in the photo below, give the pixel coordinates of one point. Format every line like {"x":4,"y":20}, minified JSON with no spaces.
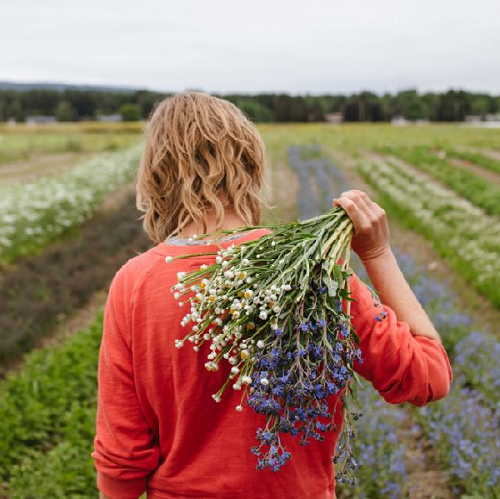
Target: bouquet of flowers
{"x":272,"y":308}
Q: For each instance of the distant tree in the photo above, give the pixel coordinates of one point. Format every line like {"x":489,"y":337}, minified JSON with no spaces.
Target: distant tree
{"x":254,"y":110}
{"x":15,"y":110}
{"x":130,"y":112}
{"x":480,"y":106}
{"x":363,"y":107}
{"x":65,"y":111}
{"x":316,"y":112}
{"x":454,"y":106}
{"x":433,"y":104}
{"x":496,"y":108}
{"x":147,"y":101}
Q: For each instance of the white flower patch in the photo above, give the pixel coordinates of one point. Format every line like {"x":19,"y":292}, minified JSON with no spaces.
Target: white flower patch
{"x":46,"y":208}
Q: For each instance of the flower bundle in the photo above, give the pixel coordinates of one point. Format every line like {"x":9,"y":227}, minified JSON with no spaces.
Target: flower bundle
{"x":272,"y":308}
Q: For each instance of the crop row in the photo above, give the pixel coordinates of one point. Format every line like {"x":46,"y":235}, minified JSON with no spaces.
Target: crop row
{"x":42,"y":290}
{"x":463,"y":427}
{"x":477,"y":158}
{"x":466,"y":421}
{"x":461,"y":232}
{"x":33,"y":214}
{"x":48,"y":412}
{"x":456,"y":437}
{"x":476,"y":189}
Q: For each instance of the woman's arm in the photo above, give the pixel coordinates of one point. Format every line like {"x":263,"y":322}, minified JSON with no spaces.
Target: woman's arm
{"x":371,"y":242}
{"x":402,"y":354}
{"x":125,"y":451}
{"x":101,"y":494}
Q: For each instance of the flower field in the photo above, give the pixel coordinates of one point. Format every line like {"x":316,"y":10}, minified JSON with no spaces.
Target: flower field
{"x":36,"y":213}
{"x":469,"y":455}
{"x":446,"y":449}
{"x":479,"y":191}
{"x":464,"y":234}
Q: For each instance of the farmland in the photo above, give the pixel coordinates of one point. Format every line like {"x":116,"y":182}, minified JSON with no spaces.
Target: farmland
{"x":68,"y":222}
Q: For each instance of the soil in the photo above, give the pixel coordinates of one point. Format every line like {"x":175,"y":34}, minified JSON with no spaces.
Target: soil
{"x":85,"y":315}
{"x":492,"y":153}
{"x":488,"y":175}
{"x":425,"y":479}
{"x":114,"y":200}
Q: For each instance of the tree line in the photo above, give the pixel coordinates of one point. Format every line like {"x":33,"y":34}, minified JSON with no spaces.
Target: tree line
{"x":77,"y":105}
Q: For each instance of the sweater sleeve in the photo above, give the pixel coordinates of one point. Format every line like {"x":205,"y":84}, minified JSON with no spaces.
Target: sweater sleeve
{"x":401,"y":367}
{"x":124,"y":449}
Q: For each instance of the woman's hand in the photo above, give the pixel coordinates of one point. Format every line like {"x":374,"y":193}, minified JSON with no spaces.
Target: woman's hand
{"x":371,"y":237}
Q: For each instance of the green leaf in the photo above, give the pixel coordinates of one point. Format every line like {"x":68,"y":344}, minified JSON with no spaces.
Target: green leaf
{"x":338,"y":273}
{"x":332,"y":286}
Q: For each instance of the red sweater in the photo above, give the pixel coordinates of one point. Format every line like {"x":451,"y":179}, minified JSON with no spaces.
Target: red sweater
{"x":158,"y":428}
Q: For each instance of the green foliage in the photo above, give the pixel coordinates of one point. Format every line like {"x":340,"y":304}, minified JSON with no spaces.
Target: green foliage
{"x":49,"y":401}
{"x":255,"y":111}
{"x":65,"y":470}
{"x":27,"y":143}
{"x":130,"y":112}
{"x":365,"y":106}
{"x":65,"y":112}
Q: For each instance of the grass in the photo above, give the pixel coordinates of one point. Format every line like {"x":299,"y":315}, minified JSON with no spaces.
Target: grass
{"x":23,"y":143}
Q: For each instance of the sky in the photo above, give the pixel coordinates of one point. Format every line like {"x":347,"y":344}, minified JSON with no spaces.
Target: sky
{"x":251,"y":46}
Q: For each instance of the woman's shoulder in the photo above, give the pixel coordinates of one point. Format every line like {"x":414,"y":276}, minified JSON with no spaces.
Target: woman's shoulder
{"x":136,"y":268}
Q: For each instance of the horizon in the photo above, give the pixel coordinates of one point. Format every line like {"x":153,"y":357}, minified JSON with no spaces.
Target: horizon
{"x":128,"y":88}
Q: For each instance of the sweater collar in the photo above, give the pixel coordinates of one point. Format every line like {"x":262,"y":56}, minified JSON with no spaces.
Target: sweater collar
{"x":177,"y":249}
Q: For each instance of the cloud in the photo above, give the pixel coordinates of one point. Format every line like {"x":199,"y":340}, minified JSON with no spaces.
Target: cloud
{"x":262,"y":45}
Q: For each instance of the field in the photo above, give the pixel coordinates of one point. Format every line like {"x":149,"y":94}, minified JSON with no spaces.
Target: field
{"x":68,"y":222}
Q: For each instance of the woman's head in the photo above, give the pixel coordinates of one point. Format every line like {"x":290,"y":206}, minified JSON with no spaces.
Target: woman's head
{"x":201,"y":153}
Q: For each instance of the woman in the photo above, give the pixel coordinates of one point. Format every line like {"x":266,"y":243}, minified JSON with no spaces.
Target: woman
{"x":158,"y":428}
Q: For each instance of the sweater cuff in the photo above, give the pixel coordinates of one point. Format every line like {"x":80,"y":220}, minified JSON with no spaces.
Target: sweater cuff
{"x":121,"y":489}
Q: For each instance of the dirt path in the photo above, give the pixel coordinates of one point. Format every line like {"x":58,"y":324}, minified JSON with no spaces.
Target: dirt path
{"x":492,"y":153}
{"x":281,"y":191}
{"x":425,"y":479}
{"x":423,"y":251}
{"x":478,"y":170}
{"x":40,"y":165}
{"x":488,"y":175}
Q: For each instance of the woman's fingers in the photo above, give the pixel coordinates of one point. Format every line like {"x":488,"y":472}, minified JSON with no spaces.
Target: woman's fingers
{"x":370,"y":209}
{"x":363,"y":212}
{"x":371,"y":230}
{"x":355,"y":213}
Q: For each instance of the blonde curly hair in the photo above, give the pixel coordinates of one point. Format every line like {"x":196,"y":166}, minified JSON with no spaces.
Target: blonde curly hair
{"x":200,"y":152}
